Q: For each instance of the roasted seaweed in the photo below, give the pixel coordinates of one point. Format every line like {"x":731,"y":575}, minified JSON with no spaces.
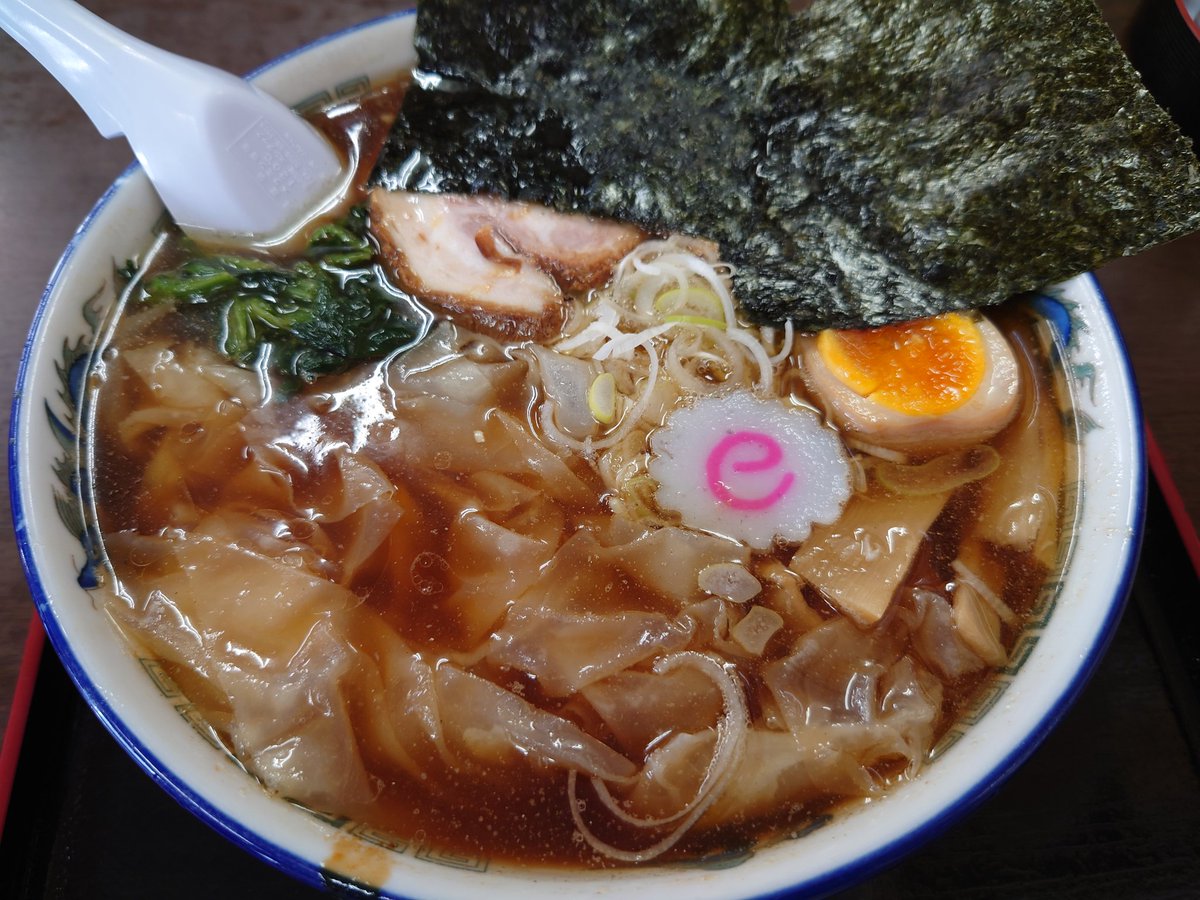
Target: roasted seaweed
{"x":865,"y":162}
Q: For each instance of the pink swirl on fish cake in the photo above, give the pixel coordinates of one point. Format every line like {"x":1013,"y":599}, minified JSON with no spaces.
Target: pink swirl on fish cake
{"x":771,"y":458}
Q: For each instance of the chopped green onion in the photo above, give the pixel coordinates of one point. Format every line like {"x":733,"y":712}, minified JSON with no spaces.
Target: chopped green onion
{"x":695,"y":320}
{"x":694,"y":305}
{"x":602,"y":398}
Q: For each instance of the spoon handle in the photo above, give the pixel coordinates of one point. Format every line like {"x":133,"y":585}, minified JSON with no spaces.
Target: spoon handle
{"x":227,"y":159}
{"x":81,"y":50}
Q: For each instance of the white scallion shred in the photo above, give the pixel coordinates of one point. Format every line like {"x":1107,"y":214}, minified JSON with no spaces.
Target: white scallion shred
{"x":630,"y":420}
{"x":894,"y":456}
{"x":558,"y":436}
{"x":731,"y":739}
{"x":766,"y":371}
{"x":621,"y":347}
{"x":789,"y":338}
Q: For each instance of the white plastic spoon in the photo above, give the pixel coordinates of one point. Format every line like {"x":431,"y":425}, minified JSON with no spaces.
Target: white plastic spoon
{"x":228,"y":160}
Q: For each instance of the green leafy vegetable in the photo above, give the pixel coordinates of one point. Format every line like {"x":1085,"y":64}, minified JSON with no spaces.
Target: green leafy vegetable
{"x":318,"y":316}
{"x":868,"y":161}
{"x":343,"y":244}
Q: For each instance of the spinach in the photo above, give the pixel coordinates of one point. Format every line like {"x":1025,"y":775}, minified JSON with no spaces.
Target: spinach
{"x":320,"y":315}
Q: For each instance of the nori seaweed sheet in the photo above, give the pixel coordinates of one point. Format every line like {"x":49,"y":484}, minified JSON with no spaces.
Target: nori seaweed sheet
{"x":865,"y":162}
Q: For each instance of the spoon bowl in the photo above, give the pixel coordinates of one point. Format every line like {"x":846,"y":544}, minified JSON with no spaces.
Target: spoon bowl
{"x":230,"y":162}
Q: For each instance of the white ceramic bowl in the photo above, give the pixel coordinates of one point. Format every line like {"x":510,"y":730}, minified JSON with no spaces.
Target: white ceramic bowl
{"x":1053,"y":658}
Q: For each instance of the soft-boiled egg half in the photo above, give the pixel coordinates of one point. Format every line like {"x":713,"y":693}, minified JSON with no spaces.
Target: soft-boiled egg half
{"x":924,"y":385}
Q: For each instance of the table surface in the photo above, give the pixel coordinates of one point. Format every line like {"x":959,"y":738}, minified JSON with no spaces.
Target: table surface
{"x":53,"y":166}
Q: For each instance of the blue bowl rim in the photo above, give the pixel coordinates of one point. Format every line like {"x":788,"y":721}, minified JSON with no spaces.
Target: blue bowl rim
{"x":306,"y":871}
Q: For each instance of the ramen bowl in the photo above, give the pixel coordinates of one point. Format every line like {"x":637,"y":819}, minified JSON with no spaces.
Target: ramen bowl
{"x":159,"y":727}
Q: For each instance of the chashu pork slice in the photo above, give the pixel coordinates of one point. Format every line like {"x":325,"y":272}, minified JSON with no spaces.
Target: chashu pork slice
{"x":578,"y":251}
{"x":499,"y":267}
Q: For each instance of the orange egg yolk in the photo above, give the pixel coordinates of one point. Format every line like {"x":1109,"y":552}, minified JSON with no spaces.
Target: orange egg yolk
{"x":924,"y":368}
